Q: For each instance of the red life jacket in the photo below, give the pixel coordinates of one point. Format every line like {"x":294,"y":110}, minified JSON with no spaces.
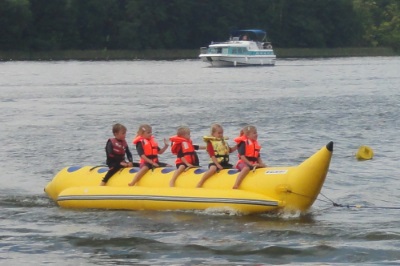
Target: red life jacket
{"x":119,"y":149}
{"x":187,"y":148}
{"x":252,"y":147}
{"x":150,"y":148}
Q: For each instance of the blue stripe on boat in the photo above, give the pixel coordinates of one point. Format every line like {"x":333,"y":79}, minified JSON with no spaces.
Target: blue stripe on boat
{"x":169,"y":198}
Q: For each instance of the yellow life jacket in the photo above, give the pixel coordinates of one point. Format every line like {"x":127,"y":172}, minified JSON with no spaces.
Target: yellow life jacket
{"x":221,"y":148}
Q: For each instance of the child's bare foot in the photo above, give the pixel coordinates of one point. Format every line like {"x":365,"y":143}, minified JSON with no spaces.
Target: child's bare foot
{"x":131,"y":184}
{"x":102,"y":183}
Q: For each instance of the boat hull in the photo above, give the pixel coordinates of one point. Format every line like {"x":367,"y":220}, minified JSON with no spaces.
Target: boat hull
{"x":144,"y":198}
{"x":292,"y":188}
{"x":228,"y":61}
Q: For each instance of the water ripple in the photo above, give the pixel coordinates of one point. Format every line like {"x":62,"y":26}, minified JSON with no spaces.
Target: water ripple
{"x":50,"y":121}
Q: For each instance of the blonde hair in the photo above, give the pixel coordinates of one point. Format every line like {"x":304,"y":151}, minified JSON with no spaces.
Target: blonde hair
{"x":143,"y":128}
{"x":247,"y":129}
{"x":117,"y":128}
{"x":215,"y":127}
{"x":182,"y":130}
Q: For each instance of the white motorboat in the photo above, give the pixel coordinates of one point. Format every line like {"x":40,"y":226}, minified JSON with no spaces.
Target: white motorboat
{"x":244,"y":48}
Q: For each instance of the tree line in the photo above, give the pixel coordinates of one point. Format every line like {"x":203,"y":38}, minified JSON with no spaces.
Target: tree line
{"x":47,"y":25}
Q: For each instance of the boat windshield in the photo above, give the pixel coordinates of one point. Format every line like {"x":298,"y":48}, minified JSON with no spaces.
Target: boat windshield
{"x":251,"y":34}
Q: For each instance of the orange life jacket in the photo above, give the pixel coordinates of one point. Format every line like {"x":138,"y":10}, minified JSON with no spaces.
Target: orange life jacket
{"x":150,"y":148}
{"x":189,"y":153}
{"x":252,"y":149}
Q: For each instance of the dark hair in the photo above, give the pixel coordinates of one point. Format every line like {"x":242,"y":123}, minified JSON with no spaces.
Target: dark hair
{"x":118,"y":127}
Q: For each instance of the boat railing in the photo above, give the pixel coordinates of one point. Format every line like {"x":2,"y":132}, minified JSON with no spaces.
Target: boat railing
{"x":203,"y":50}
{"x":219,"y":42}
{"x":266,"y":45}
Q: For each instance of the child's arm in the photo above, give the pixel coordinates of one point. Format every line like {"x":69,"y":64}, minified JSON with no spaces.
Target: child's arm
{"x":232,"y":149}
{"x":164,"y":148}
{"x":198,"y":147}
{"x":217,"y":164}
{"x":109,"y":147}
{"x":241,"y":147}
{"x":186,"y":162}
{"x":129,"y":156}
{"x":147,"y":160}
{"x":261,"y":163}
{"x":244,"y":159}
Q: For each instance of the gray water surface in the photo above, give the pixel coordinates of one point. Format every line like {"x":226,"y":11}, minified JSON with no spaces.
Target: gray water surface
{"x":56,"y":114}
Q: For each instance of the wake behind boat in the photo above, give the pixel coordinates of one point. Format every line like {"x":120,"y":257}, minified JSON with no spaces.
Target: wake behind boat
{"x":244,"y":48}
{"x":293,"y":188}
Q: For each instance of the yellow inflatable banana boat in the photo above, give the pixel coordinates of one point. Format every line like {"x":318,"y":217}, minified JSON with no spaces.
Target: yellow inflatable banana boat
{"x":292,"y":188}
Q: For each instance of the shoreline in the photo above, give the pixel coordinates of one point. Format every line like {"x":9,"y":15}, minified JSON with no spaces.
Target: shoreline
{"x":162,"y":54}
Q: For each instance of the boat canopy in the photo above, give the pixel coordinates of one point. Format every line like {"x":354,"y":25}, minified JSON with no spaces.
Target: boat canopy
{"x":252,"y":34}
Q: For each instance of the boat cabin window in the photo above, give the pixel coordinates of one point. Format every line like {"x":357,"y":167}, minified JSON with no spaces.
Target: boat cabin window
{"x":219,"y":50}
{"x":215,"y":50}
{"x":239,"y":50}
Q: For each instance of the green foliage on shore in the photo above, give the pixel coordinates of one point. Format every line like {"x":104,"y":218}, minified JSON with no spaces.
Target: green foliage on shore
{"x":140,"y":25}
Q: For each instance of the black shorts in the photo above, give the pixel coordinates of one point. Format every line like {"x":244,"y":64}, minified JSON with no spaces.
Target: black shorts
{"x":179,"y":164}
{"x":224,"y":165}
{"x":150,"y":166}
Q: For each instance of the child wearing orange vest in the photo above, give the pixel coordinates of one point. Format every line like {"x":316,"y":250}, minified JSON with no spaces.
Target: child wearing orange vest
{"x":249,"y":153}
{"x":185,"y":152}
{"x":148,"y":150}
{"x":116,"y":148}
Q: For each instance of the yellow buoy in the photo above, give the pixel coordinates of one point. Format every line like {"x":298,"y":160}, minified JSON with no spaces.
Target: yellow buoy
{"x":364,"y":153}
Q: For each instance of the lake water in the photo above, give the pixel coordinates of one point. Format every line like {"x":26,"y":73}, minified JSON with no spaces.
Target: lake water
{"x":56,"y":114}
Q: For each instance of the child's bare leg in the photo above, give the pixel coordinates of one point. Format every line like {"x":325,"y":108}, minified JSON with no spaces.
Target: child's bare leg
{"x":207,"y":175}
{"x":241,"y":176}
{"x":139,"y":175}
{"x":177,"y":172}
